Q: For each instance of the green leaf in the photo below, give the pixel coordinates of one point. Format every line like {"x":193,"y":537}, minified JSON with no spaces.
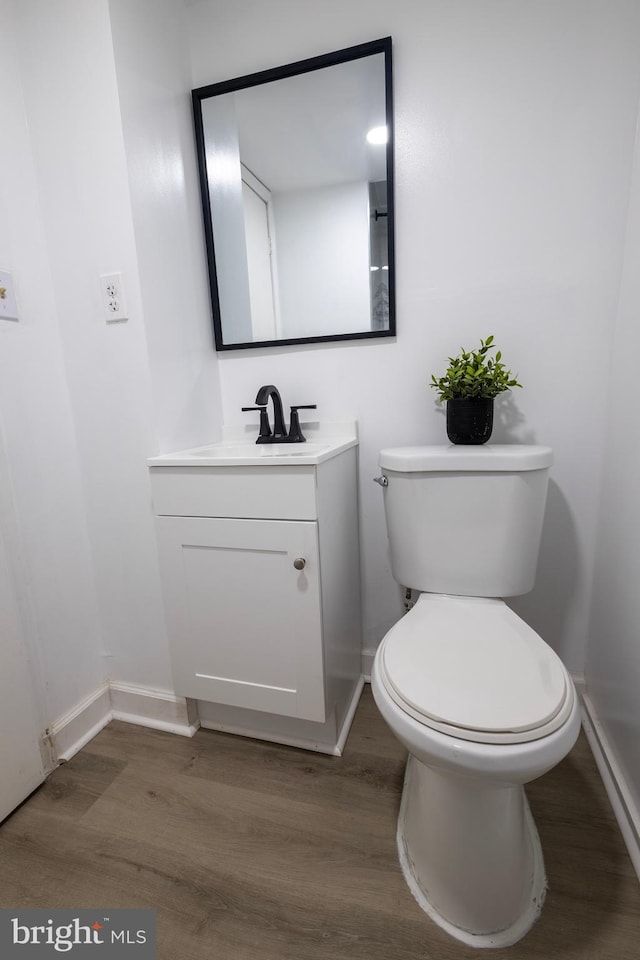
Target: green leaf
{"x":474,"y":374}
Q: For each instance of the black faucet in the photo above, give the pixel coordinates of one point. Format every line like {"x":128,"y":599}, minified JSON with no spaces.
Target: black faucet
{"x":279,"y":432}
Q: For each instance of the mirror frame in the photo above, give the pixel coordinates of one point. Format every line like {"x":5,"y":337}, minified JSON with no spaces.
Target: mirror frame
{"x":267,"y":76}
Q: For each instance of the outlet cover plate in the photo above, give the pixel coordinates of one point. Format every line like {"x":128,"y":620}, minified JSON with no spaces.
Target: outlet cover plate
{"x":8,"y":305}
{"x":113,"y":300}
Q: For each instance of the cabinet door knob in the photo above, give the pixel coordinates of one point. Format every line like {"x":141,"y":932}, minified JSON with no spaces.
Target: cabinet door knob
{"x":299,"y":563}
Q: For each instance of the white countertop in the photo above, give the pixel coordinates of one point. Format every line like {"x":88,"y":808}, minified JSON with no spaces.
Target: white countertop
{"x":324,"y":440}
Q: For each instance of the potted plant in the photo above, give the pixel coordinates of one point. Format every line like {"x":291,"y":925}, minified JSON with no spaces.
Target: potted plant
{"x":469,"y":386}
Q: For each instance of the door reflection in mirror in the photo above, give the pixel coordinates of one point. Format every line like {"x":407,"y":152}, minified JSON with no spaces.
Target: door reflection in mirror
{"x":297,"y":202}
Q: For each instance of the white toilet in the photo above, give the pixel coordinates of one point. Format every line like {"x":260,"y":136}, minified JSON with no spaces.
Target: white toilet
{"x":480,"y":701}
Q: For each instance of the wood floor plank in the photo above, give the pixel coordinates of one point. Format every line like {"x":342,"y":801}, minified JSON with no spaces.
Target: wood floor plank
{"x":76,"y":787}
{"x":276,"y":839}
{"x":254,"y":851}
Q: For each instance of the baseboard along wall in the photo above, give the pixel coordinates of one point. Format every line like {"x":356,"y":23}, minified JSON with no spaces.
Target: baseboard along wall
{"x":621,"y":797}
{"x":144,"y":706}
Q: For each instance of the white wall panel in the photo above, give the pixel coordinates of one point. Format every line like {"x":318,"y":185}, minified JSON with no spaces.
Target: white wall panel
{"x":514,"y":136}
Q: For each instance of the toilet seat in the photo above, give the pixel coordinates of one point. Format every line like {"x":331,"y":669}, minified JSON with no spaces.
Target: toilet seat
{"x":469,"y":667}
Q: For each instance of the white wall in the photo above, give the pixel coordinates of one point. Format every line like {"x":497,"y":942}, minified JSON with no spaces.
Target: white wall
{"x":323,"y":272}
{"x":73,"y":110}
{"x":515,"y":129}
{"x":613,"y":662}
{"x":514,"y":135}
{"x":48,"y":543}
{"x":151,"y":52}
{"x":112,"y":141}
{"x":222,"y":148}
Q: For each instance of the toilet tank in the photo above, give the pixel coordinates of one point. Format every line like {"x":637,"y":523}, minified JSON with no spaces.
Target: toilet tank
{"x":466,"y":520}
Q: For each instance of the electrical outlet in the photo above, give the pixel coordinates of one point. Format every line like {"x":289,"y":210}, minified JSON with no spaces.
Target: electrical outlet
{"x":113,"y":301}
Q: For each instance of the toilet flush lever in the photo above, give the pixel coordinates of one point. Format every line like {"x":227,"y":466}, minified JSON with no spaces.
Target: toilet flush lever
{"x":382,"y":481}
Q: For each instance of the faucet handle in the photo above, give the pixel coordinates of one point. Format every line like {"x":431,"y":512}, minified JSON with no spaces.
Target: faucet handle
{"x":265,"y":429}
{"x":295,"y":433}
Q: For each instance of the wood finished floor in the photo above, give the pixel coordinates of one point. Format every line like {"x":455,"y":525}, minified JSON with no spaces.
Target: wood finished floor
{"x":253,"y":851}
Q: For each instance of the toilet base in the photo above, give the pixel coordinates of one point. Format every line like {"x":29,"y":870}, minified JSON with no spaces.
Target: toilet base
{"x":471,"y":855}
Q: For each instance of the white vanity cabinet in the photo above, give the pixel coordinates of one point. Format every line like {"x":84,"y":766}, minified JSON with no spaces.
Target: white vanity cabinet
{"x":245,"y":625}
{"x":261,"y":582}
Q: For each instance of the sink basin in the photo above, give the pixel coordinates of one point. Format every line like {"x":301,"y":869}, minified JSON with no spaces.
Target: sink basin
{"x":261,"y":451}
{"x":235,"y":453}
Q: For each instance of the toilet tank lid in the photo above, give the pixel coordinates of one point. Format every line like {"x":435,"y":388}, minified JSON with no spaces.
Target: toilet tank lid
{"x":496,"y":457}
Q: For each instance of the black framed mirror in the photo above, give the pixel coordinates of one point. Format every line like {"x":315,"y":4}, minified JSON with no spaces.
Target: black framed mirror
{"x":296,"y":177}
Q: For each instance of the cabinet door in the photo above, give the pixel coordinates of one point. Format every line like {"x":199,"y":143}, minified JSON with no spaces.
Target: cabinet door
{"x":244,"y":623}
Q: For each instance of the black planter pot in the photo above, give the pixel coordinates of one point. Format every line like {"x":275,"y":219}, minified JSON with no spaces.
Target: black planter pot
{"x":469,"y":419}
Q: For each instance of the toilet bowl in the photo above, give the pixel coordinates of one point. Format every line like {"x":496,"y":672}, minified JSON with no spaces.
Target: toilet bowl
{"x":483,"y":706}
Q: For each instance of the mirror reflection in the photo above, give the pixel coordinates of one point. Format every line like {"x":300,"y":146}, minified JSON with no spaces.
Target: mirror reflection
{"x":297,"y":189}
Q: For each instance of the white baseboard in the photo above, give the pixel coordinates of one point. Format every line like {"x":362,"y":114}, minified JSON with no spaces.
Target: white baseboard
{"x":367,"y":657}
{"x":76,"y":727}
{"x":159,"y":709}
{"x":348,"y":717}
{"x":622,"y":800}
{"x":579,"y":683}
{"x":291,"y":731}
